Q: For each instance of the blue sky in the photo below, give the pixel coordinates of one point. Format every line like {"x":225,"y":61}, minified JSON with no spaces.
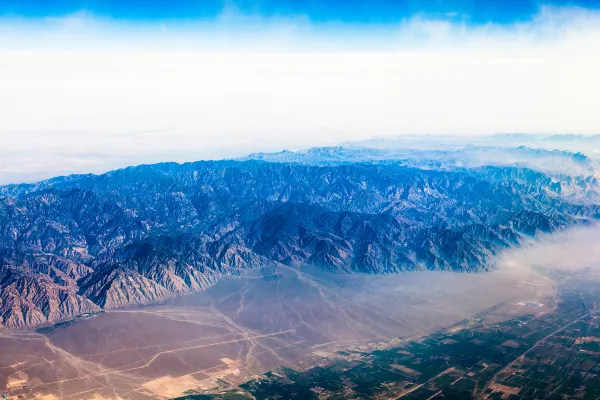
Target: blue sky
{"x":344,"y":11}
{"x":268,"y":24}
{"x":87,"y":86}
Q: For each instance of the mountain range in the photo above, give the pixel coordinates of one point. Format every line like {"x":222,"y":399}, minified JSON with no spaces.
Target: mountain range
{"x":82,"y":243}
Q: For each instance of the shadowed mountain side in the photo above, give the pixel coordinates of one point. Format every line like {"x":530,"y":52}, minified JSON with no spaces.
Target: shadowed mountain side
{"x":144,"y":234}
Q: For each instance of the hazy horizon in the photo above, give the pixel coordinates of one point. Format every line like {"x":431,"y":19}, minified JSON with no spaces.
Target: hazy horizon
{"x":66,"y":164}
{"x":91,"y":86}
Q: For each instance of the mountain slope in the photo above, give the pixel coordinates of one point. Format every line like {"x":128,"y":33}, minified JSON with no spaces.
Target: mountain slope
{"x":143,"y":234}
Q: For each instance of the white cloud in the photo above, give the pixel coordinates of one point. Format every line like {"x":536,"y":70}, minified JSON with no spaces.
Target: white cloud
{"x":75,"y":110}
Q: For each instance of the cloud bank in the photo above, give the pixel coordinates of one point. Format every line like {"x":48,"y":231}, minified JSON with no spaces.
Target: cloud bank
{"x":82,"y":93}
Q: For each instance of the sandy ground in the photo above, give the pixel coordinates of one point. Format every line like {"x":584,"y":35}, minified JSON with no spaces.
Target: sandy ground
{"x":246,"y":325}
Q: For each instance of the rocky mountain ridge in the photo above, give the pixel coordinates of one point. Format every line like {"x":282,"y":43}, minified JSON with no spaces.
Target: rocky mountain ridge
{"x":139,"y":235}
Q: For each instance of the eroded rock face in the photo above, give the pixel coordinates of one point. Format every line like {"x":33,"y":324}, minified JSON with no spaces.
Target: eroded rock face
{"x":140,"y":235}
{"x":29,"y":299}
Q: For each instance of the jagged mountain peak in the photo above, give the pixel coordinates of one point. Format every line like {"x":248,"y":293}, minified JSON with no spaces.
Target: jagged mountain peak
{"x":144,"y":234}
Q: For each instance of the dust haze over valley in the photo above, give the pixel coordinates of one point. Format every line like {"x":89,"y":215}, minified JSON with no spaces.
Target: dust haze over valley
{"x":273,"y":316}
{"x":574,"y":249}
{"x":248,"y":324}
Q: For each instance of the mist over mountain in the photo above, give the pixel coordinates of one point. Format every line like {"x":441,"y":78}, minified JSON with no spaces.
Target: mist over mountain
{"x":139,"y":235}
{"x":558,"y":162}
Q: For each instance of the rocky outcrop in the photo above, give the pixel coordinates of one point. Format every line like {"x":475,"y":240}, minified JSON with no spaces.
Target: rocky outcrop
{"x":28,"y":299}
{"x":119,"y":288}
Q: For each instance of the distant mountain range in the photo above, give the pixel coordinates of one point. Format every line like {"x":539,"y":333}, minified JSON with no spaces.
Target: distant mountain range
{"x":549,"y":161}
{"x":81,"y":243}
